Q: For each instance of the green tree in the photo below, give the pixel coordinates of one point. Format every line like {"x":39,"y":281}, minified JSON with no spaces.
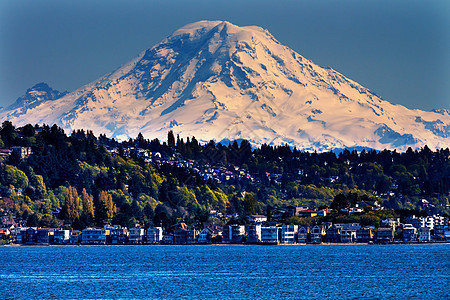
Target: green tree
{"x":170,"y":139}
{"x":16,"y":177}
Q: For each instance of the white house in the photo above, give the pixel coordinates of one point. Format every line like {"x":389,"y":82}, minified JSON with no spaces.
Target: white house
{"x":270,"y":235}
{"x":94,"y":236}
{"x":154,"y":235}
{"x":61,"y":236}
{"x":257,"y":218}
{"x":254,"y":233}
{"x":288,"y":234}
{"x":233,"y":233}
{"x":136,"y":235}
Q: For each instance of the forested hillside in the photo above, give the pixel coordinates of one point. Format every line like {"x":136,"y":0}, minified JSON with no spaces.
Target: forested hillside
{"x":80,"y":180}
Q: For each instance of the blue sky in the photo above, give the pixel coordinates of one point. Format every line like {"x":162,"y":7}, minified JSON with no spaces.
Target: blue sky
{"x":398,"y":49}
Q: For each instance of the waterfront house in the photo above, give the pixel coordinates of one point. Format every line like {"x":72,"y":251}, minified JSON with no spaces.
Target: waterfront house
{"x":44,"y":235}
{"x":18,"y":235}
{"x":385,"y":235}
{"x":204,"y":236}
{"x":136,"y":235}
{"x":94,"y":236}
{"x":61,"y":236}
{"x":270,"y":235}
{"x":154,"y":235}
{"x":233,"y":233}
{"x":348,"y":235}
{"x":303,"y":234}
{"x":118,"y":235}
{"x":75,"y":237}
{"x":254,"y":233}
{"x":317,"y":234}
{"x":424,"y":234}
{"x":364,"y":234}
{"x":333,"y":234}
{"x":409,"y":233}
{"x":289,"y":234}
{"x":184,"y":236}
{"x":29,"y":235}
{"x":167,"y":239}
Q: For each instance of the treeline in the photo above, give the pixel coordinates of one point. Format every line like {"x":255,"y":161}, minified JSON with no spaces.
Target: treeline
{"x":73,"y":180}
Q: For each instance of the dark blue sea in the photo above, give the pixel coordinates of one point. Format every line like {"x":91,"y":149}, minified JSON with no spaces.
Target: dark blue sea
{"x":226,"y":272}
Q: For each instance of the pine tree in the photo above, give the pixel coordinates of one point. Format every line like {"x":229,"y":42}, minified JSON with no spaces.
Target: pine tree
{"x":170,"y":139}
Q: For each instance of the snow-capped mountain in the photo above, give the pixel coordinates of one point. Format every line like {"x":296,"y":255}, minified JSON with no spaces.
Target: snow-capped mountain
{"x":34,"y":96}
{"x":215,"y":80}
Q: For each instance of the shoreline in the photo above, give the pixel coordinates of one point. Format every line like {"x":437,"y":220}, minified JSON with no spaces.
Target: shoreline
{"x":227,"y":244}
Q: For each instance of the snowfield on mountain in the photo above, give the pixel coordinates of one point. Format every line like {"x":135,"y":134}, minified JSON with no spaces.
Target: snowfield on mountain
{"x":217,"y":81}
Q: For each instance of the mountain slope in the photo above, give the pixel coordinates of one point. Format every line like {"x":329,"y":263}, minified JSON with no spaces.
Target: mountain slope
{"x":215,"y":80}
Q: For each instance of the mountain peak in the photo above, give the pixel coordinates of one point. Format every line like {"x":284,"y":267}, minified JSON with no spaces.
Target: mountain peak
{"x":36,"y":95}
{"x":215,"y":80}
{"x":204,"y":26}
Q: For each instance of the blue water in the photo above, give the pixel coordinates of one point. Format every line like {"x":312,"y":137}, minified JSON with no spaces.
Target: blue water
{"x":226,"y":272}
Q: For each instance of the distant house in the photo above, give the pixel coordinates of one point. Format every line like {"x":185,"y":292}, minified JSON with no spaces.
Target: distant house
{"x":118,"y":235}
{"x":317,"y":234}
{"x":43,"y":235}
{"x":333,"y":234}
{"x":295,"y":210}
{"x":28,"y":236}
{"x":204,"y":237}
{"x":322,"y":212}
{"x":354,"y":210}
{"x":94,"y":236}
{"x":390,"y":222}
{"x":18,"y":235}
{"x":385,"y":235}
{"x":136,"y":235}
{"x":75,"y":237}
{"x":61,"y":236}
{"x":154,"y":235}
{"x":184,"y":236}
{"x":348,"y":235}
{"x":5,"y":234}
{"x":364,"y":234}
{"x":409,"y":233}
{"x":254,"y":233}
{"x":22,"y":152}
{"x":289,"y":234}
{"x":307,"y":213}
{"x":424,"y":234}
{"x":270,"y":235}
{"x":257,"y":218}
{"x":167,"y":239}
{"x":303,"y":234}
{"x":233,"y":233}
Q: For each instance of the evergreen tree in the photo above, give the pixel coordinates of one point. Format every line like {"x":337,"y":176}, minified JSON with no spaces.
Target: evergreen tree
{"x":170,"y":139}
